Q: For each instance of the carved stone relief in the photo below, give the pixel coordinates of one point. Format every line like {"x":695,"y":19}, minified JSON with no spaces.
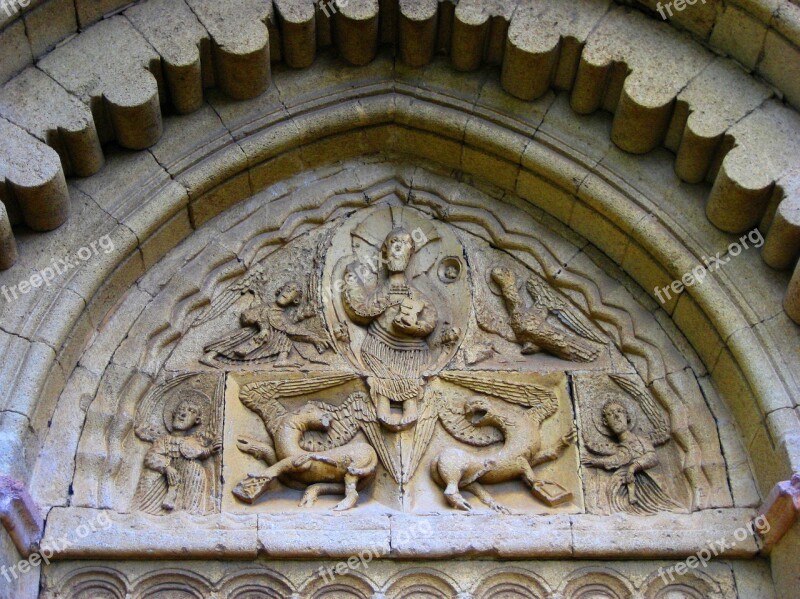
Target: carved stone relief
{"x":410,"y":353}
{"x":388,"y":356}
{"x":182,"y":421}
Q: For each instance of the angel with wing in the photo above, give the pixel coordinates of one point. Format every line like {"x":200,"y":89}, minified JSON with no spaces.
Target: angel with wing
{"x":175,"y":477}
{"x":630,"y":456}
{"x":571,"y":337}
{"x":272,"y":330}
{"x":312,"y":447}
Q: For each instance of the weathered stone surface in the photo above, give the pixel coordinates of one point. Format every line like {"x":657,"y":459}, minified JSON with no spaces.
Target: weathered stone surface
{"x":182,"y":42}
{"x":49,"y":23}
{"x":35,"y":102}
{"x":319,"y":150}
{"x":544,"y":45}
{"x":241,"y":45}
{"x":366,"y":574}
{"x":32,"y":184}
{"x":112,"y":69}
{"x":101,"y":533}
{"x":742,"y":189}
{"x":642,"y":101}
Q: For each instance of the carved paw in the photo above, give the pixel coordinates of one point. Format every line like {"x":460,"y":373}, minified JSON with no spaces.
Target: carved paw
{"x":501,"y":509}
{"x":258,"y":450}
{"x":458,"y":502}
{"x":590,"y":461}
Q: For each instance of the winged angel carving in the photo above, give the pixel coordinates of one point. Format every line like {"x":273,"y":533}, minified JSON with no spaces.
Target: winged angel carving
{"x":484,"y":423}
{"x":571,"y":339}
{"x":184,"y":427}
{"x":313,"y":446}
{"x":272,"y":329}
{"x":618,"y":447}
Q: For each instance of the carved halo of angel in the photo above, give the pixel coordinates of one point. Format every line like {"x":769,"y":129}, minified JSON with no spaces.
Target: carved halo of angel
{"x":628,"y":453}
{"x":528,"y":324}
{"x":271,"y":328}
{"x":183,"y":426}
{"x":312,"y":447}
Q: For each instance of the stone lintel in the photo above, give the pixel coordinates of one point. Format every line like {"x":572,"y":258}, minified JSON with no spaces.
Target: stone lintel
{"x":315,"y":534}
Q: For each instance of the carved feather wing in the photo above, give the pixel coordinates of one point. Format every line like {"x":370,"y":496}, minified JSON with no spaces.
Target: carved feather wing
{"x":260,"y":397}
{"x":423,"y":431}
{"x":543,"y":296}
{"x":149,"y":420}
{"x":537,"y":397}
{"x":249,"y":283}
{"x":455,"y":423}
{"x":661,"y":429}
{"x":311,"y":305}
{"x":343,"y":427}
{"x":364,"y":412}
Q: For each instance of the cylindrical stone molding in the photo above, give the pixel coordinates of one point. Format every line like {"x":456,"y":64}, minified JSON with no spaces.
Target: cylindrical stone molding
{"x":8,"y":245}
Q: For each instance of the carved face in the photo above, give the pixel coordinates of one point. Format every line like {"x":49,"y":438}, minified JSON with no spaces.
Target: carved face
{"x":315,"y":417}
{"x":476,"y":410}
{"x":397,"y":250}
{"x":186,"y":416}
{"x":616,"y":417}
{"x":287,"y":295}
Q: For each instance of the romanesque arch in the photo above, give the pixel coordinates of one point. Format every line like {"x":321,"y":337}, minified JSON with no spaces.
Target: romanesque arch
{"x":560,"y":165}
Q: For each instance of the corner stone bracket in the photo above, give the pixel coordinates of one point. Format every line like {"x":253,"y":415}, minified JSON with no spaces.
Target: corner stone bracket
{"x":780,"y":509}
{"x":20,"y":516}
